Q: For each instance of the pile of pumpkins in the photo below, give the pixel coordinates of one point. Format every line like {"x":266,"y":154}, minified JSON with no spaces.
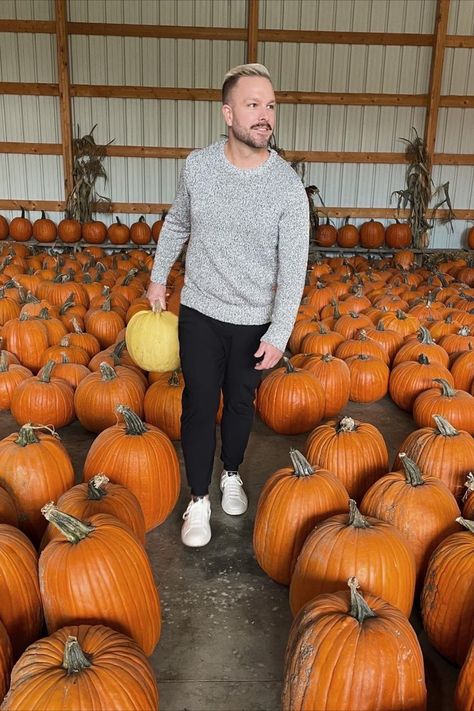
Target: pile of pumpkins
{"x":335,"y":518}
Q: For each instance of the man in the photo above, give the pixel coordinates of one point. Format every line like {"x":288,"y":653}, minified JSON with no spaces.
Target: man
{"x":245,"y":213}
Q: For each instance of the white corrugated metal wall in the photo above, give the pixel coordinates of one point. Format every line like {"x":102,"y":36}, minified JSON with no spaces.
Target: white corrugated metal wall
{"x":202,"y":63}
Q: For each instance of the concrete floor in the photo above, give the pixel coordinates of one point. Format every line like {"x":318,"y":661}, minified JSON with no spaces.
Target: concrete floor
{"x":225,"y":623}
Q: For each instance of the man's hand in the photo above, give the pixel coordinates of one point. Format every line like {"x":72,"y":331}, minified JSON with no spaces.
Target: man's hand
{"x":271,"y":356}
{"x":156,"y":293}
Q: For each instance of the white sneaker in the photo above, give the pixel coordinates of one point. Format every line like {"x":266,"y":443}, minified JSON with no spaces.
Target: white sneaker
{"x":234,"y":498}
{"x":196,"y":529}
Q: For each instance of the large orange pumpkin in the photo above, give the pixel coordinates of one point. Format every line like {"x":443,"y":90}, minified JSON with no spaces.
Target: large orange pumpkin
{"x":456,"y":406}
{"x":447,"y":600}
{"x":98,"y":572}
{"x":290,"y":400}
{"x":348,"y":652}
{"x":34,"y":468}
{"x":355,"y":451}
{"x":348,"y":543}
{"x":83,"y":666}
{"x":44,"y":398}
{"x":142,"y":458}
{"x":420,"y":505}
{"x":20,"y":610}
{"x":293,"y":500}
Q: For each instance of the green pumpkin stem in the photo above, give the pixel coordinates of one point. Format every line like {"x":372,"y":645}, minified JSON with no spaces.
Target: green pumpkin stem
{"x":67,"y":304}
{"x":355,"y":517}
{"x":412,"y":470}
{"x":444,"y":427}
{"x":26,"y":435}
{"x":71,"y":527}
{"x":300,"y":464}
{"x":446,"y":389}
{"x":133,"y":424}
{"x":359,"y":608}
{"x":74,"y":659}
{"x":466,"y":523}
{"x":95,"y":492}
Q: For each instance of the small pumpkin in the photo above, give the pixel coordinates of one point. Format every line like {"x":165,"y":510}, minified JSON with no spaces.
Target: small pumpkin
{"x":21,"y":228}
{"x":118,"y":233}
{"x":372,"y":234}
{"x":398,"y":235}
{"x":94,"y":232}
{"x":44,"y":230}
{"x":69,"y":231}
{"x":140,"y":232}
{"x":348,"y":235}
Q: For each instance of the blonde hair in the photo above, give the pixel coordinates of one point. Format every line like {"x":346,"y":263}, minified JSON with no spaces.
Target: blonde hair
{"x":242,"y":70}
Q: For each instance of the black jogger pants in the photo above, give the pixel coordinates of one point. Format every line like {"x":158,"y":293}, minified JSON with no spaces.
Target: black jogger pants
{"x":216,"y":356}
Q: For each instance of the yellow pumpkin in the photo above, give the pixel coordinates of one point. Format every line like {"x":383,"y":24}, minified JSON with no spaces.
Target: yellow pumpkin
{"x":152,"y":340}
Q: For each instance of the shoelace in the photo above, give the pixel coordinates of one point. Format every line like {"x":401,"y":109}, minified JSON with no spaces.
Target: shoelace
{"x":195,"y":509}
{"x":231,"y":480}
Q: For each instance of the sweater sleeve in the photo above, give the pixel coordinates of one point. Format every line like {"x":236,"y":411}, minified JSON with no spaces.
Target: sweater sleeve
{"x":293,"y":245}
{"x":174,"y":234}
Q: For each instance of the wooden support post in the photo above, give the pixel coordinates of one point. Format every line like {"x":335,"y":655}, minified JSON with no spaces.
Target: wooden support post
{"x":434,"y":93}
{"x":62,"y":52}
{"x":252,"y":31}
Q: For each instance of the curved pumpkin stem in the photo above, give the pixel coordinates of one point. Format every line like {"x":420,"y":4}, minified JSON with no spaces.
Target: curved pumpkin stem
{"x":446,"y":389}
{"x":300,"y":464}
{"x":466,"y":523}
{"x":424,"y":336}
{"x":107,"y":372}
{"x":288,"y":365}
{"x":359,"y":608}
{"x":95,"y":492}
{"x":174,"y":379}
{"x":74,"y":660}
{"x":47,"y":370}
{"x":26,"y":435}
{"x":133,"y":424}
{"x":355,"y":517}
{"x":444,"y":427}
{"x":412,"y":470}
{"x":71,"y":527}
{"x":469,"y":484}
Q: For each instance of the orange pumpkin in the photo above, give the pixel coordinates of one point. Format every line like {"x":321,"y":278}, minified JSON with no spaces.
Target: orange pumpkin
{"x":456,"y":406}
{"x":447,"y":602}
{"x":346,"y":543}
{"x":78,"y":666}
{"x":293,"y":500}
{"x":118,"y":233}
{"x":339,"y":638}
{"x":142,"y":458}
{"x":21,"y":228}
{"x":140,"y":232}
{"x":44,"y":230}
{"x":43,"y":398}
{"x":372,"y":234}
{"x":93,"y":562}
{"x":69,"y":231}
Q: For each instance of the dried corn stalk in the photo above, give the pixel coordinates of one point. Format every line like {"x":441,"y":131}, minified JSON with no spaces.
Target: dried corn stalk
{"x":419,"y":192}
{"x":87,"y":169}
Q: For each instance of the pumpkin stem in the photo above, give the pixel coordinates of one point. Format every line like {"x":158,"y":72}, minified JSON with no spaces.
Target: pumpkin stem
{"x":347,"y":424}
{"x":67,"y":304}
{"x":133,"y":424}
{"x":301,"y":466}
{"x":95,"y":492}
{"x":174,"y":379}
{"x":446,"y":389}
{"x":359,"y":608}
{"x":4,"y":365}
{"x":26,"y":435}
{"x":46,"y":371}
{"x":401,"y":315}
{"x":76,"y":326}
{"x":424,"y":336}
{"x":129,"y":276}
{"x":106,"y":306}
{"x":107,"y":372}
{"x":380,"y":326}
{"x":71,"y":527}
{"x":327,"y":357}
{"x":423,"y":359}
{"x":74,"y":660}
{"x":117,"y":351}
{"x":412,"y":470}
{"x":466,"y":523}
{"x":289,"y":366}
{"x":469,"y":484}
{"x":355,"y":517}
{"x":444,"y":427}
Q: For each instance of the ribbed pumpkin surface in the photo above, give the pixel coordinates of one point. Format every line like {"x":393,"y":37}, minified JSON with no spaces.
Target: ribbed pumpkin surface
{"x":20,"y":609}
{"x":119,"y":679}
{"x":104,"y":578}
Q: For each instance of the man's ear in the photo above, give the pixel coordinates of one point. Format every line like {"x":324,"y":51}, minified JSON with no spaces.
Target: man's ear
{"x":227,"y":114}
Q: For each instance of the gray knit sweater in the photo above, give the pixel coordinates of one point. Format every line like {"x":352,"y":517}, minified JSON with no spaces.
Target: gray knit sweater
{"x":248,"y":241}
